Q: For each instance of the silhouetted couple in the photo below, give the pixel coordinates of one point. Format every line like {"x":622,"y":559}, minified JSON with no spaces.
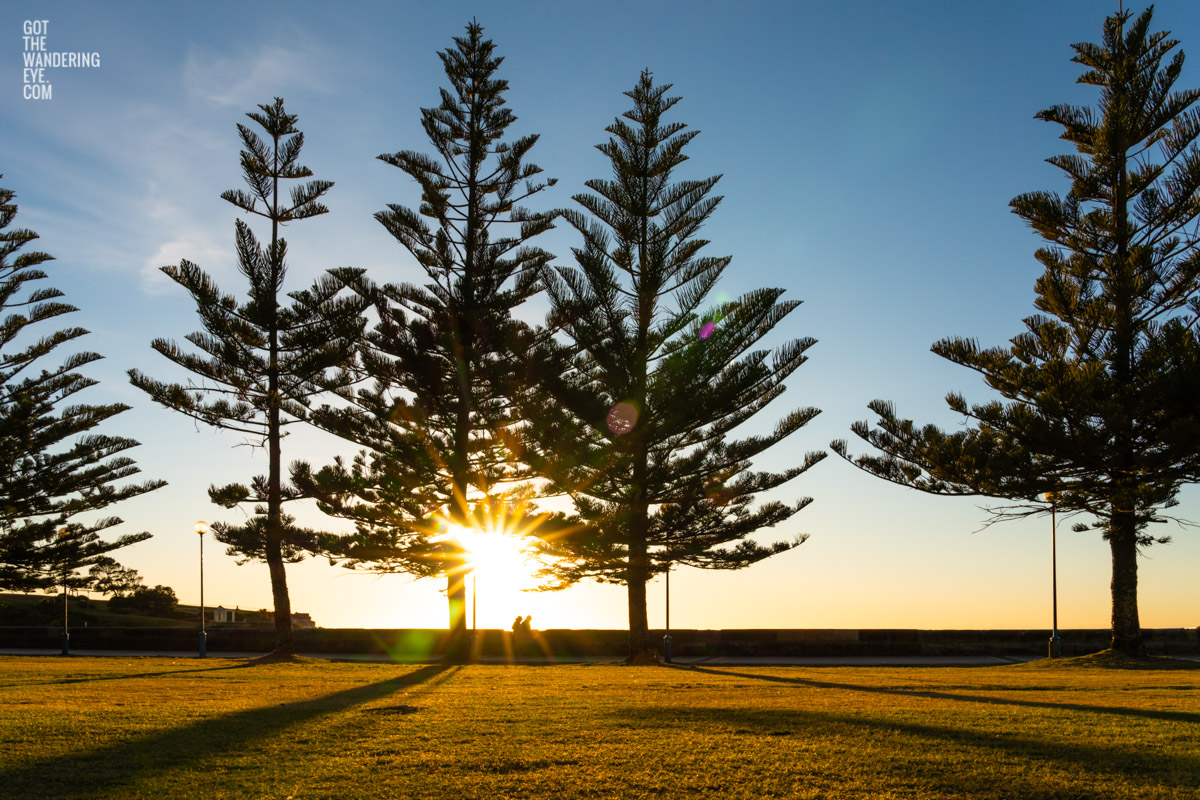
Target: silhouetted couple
{"x":522,"y":633}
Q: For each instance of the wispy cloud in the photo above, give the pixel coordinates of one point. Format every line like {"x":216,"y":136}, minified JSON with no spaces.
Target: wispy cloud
{"x":246,"y":77}
{"x":196,"y":246}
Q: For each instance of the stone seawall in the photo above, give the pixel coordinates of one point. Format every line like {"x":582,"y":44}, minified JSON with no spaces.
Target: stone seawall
{"x":411,"y":643}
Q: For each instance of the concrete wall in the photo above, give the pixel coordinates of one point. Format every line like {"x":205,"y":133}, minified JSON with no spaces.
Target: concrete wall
{"x":767,"y":642}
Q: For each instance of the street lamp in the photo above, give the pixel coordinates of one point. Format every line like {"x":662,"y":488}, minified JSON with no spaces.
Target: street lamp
{"x":201,"y":528}
{"x":66,"y":634}
{"x":667,"y":637}
{"x":1055,"y":642}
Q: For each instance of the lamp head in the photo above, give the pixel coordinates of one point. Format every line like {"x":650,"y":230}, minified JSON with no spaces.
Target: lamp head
{"x":201,"y":527}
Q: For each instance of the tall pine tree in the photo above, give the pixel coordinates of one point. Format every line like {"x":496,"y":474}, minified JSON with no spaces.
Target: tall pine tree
{"x":1100,"y":390}
{"x":633,"y":418}
{"x":47,"y":480}
{"x":260,"y":362}
{"x":440,"y":360}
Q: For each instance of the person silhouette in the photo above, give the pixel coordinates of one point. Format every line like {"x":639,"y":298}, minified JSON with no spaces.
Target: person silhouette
{"x":522,"y":635}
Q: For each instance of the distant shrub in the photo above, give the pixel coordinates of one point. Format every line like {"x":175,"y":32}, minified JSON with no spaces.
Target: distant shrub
{"x":120,"y":604}
{"x":159,"y":601}
{"x":52,"y":606}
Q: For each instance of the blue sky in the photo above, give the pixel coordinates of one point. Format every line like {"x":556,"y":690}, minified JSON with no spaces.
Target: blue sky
{"x":869,"y":151}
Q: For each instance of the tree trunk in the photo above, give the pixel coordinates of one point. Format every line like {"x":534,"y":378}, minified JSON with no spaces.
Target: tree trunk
{"x":463,"y":321}
{"x":458,"y":644}
{"x":639,"y":632}
{"x":636,"y":577}
{"x":638,"y":573}
{"x":1126,"y":629}
{"x":1122,"y":528}
{"x":284,"y":642}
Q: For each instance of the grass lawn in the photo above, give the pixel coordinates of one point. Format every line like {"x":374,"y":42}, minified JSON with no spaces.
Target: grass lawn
{"x":161,"y":728}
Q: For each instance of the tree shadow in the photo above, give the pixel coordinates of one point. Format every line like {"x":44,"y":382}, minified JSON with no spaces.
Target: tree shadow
{"x":92,"y":773}
{"x":1147,"y":713}
{"x":1139,"y":765}
{"x":242,"y":663}
{"x":123,"y":676}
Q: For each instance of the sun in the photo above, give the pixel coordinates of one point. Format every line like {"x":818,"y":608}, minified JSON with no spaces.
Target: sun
{"x":498,"y":571}
{"x":502,"y":560}
{"x":498,"y":557}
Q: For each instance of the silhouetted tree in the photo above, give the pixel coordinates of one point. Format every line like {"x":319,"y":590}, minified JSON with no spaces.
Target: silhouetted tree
{"x":632,"y":418}
{"x":260,"y":362}
{"x":159,"y":601}
{"x":47,"y":480}
{"x":1100,"y":390}
{"x":439,"y":358}
{"x":109,"y":577}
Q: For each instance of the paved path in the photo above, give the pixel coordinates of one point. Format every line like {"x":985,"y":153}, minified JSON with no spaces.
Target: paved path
{"x":714,"y":661}
{"x":711,"y":661}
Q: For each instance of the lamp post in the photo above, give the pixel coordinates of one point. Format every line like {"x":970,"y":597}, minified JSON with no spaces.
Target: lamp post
{"x":1055,"y":641}
{"x":667,"y":637}
{"x":66,"y":634}
{"x":201,"y":528}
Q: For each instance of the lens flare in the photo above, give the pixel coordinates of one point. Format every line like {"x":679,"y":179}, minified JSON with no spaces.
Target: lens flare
{"x":708,"y":329}
{"x":621,"y":418}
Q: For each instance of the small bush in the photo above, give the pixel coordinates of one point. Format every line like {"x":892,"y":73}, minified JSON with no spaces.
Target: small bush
{"x":157,"y":602}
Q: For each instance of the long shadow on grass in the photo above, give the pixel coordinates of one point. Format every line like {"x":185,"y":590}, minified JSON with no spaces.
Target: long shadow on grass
{"x":123,"y":676}
{"x":91,"y":773}
{"x":1148,"y":713}
{"x":1137,"y":764}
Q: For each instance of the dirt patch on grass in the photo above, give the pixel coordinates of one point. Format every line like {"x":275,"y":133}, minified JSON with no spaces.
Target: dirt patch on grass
{"x":274,"y":658}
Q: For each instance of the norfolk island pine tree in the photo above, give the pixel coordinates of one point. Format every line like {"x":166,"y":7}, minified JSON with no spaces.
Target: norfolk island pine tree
{"x":261,"y":362}
{"x":632,"y":408}
{"x":1100,"y":390}
{"x":437,"y":370}
{"x":47,"y":480}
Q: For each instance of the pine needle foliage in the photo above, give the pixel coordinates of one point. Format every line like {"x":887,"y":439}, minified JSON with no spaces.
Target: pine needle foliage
{"x":47,"y":480}
{"x":261,"y":361}
{"x":440,"y":361}
{"x":633,"y":417}
{"x":1100,"y":389}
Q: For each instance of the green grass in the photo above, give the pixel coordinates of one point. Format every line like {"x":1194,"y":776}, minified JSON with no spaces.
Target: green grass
{"x":161,"y":728}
